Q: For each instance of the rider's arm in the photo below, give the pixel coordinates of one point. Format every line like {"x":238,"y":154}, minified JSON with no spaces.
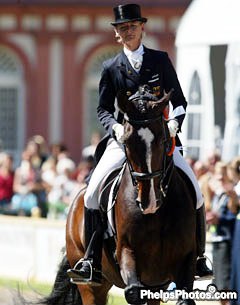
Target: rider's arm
{"x":107,"y":94}
{"x":178,"y":100}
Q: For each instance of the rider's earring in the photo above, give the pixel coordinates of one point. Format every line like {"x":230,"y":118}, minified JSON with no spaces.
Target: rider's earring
{"x":119,"y":39}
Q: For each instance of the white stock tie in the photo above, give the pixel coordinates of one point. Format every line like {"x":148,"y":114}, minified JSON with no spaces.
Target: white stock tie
{"x":136,"y":61}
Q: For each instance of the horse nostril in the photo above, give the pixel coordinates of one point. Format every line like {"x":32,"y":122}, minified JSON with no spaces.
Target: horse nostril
{"x":140,"y":205}
{"x":159,"y":202}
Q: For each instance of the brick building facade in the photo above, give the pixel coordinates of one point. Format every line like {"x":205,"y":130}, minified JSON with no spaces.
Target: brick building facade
{"x":50,"y":63}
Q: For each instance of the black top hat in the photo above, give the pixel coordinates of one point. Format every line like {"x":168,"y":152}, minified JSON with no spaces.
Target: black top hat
{"x":126,"y":13}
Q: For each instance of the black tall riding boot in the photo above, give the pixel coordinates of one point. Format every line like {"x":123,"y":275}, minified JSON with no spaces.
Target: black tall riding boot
{"x":202,"y":270}
{"x":88,"y":269}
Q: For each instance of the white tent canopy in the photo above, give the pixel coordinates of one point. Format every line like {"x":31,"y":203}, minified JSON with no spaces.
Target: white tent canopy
{"x":210,"y":22}
{"x":207,"y":30}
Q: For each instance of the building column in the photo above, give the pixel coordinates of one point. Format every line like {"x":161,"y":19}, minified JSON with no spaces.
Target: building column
{"x":38,"y":115}
{"x":55,"y":115}
{"x":72,"y":129}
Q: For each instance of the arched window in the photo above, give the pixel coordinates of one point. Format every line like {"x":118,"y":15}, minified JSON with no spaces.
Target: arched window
{"x":11,"y":103}
{"x":194,"y":117}
{"x":94,"y":73}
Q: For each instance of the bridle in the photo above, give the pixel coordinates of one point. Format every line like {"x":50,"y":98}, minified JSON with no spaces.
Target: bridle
{"x":164,"y":173}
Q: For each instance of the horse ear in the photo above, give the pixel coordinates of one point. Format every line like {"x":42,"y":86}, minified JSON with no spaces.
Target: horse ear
{"x":122,"y":101}
{"x":168,"y":95}
{"x":166,"y":98}
{"x":163,"y":102}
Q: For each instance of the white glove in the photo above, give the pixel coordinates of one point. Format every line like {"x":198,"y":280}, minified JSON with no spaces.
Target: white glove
{"x":119,"y":132}
{"x":173,"y":128}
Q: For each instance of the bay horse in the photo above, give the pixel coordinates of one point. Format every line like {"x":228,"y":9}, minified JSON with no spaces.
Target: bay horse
{"x":154,"y":212}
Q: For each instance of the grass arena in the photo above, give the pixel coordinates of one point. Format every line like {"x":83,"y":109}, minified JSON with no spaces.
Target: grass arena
{"x":31,"y":249}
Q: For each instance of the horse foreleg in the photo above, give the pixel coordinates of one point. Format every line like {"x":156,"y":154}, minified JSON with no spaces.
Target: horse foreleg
{"x":185,"y":278}
{"x":93,"y":295}
{"x":129,"y":275}
{"x":128,"y":267}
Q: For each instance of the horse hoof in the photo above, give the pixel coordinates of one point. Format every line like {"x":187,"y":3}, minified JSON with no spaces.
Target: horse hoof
{"x":186,"y":302}
{"x":132,"y":295}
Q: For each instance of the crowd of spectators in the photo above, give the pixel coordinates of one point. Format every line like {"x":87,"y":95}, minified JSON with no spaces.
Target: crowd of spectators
{"x":47,"y":179}
{"x":220,"y":184}
{"x":45,"y":182}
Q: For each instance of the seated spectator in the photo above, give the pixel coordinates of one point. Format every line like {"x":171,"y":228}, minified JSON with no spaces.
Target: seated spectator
{"x":58,"y":149}
{"x":80,"y":175}
{"x":191,"y":161}
{"x":6,"y":181}
{"x":207,"y":191}
{"x":221,"y":221}
{"x":49,"y":173}
{"x":33,"y":149}
{"x":89,"y":150}
{"x":235,"y":207}
{"x":200,"y":170}
{"x":59,"y":197}
{"x":42,"y":146}
{"x":28,"y":188}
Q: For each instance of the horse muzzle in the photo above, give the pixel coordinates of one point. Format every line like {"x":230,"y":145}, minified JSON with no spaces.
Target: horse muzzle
{"x":149,"y":209}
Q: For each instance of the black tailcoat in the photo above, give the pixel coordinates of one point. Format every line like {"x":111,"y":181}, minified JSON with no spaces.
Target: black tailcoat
{"x":156,"y":71}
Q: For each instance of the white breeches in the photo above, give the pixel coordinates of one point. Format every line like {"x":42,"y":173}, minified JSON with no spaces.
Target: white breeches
{"x":113,"y":157}
{"x":180,"y":162}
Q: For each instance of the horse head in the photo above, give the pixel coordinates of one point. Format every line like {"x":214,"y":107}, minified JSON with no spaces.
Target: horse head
{"x":146,"y":141}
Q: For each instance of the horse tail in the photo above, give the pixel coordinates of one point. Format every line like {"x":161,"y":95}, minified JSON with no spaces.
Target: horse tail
{"x":63,"y":291}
